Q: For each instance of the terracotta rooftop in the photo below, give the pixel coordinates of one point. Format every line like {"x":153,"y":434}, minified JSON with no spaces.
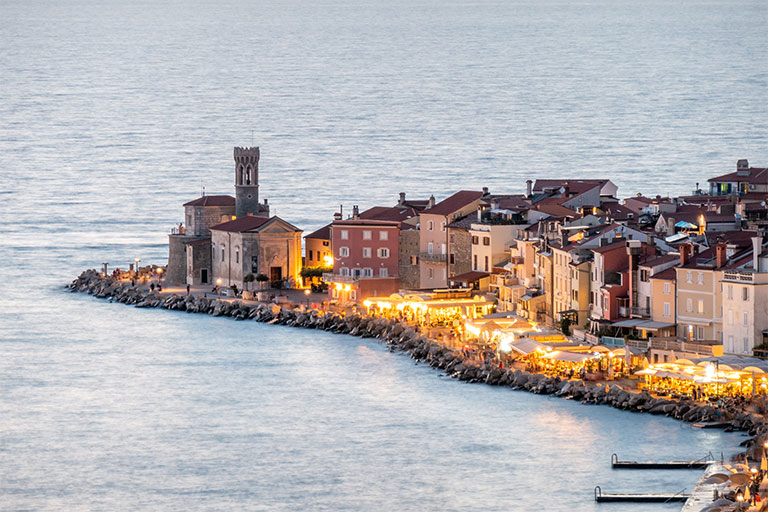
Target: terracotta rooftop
{"x":750,"y":175}
{"x":574,"y":187}
{"x":667,"y":275}
{"x":455,"y":202}
{"x":212,"y":201}
{"x":395,"y":213}
{"x":324,"y":233}
{"x":242,"y":224}
{"x":469,"y":277}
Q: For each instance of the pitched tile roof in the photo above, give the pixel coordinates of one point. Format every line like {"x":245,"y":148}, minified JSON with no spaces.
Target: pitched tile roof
{"x":212,"y":201}
{"x":751,"y":175}
{"x":242,"y":224}
{"x":324,"y":233}
{"x":455,"y":202}
{"x":395,"y":213}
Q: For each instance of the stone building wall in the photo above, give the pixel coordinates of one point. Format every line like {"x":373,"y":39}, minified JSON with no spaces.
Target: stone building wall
{"x":177,"y":259}
{"x":461,"y":250}
{"x":408,"y":259}
{"x":199,"y":219}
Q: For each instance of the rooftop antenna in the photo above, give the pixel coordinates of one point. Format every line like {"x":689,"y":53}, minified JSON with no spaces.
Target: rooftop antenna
{"x":251,"y":138}
{"x":202,"y":189}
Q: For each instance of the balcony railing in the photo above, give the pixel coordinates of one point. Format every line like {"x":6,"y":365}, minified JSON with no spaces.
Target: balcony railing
{"x":641,"y":311}
{"x":178,"y":230}
{"x":338,"y":278}
{"x":432,"y":257}
{"x":738,"y":276}
{"x":706,"y":347}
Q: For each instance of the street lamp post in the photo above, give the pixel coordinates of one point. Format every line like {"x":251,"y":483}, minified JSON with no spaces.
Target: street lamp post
{"x":218,"y":286}
{"x":105,"y":268}
{"x":137,"y":260}
{"x":306,"y":293}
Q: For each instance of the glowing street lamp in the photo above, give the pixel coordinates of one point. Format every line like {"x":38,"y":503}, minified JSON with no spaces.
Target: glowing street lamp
{"x":218,"y":286}
{"x":306,"y":294}
{"x":137,"y":260}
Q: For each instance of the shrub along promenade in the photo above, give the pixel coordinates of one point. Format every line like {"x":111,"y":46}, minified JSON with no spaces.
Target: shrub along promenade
{"x":455,"y":362}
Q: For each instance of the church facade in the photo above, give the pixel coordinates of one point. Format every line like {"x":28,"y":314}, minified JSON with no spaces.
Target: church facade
{"x":227,"y":237}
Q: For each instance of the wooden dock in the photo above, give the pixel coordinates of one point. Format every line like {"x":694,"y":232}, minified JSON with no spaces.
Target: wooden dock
{"x":638,"y":498}
{"x":671,"y":464}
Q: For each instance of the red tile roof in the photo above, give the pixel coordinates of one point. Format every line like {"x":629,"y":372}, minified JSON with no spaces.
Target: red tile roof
{"x":455,"y":202}
{"x":751,"y":175}
{"x":574,"y":187}
{"x":667,"y":275}
{"x":242,"y":224}
{"x":212,"y":201}
{"x":324,"y":233}
{"x":396,"y":213}
{"x":469,"y":277}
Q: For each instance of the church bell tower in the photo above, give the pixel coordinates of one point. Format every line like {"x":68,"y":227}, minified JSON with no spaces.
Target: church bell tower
{"x":246,"y":181}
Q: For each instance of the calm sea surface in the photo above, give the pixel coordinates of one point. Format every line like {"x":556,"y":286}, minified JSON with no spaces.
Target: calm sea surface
{"x":112,"y":114}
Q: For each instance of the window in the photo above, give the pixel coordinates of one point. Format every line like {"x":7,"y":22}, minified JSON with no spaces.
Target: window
{"x":688,"y":277}
{"x":383,"y":272}
{"x":367,"y":235}
{"x":430,"y":248}
{"x":730,"y":291}
{"x":475,"y":240}
{"x":366,"y":252}
{"x":452,"y":259}
{"x":383,"y":235}
{"x":701,"y":333}
{"x":746,"y":318}
{"x":344,"y":234}
{"x":486,"y":263}
{"x":442,"y":226}
{"x":746,"y":345}
{"x":343,"y":252}
{"x":335,"y":293}
{"x":667,"y":309}
{"x":474,"y":264}
{"x":383,"y":252}
{"x":442,"y":249}
{"x":254,"y":264}
{"x":430,"y":225}
{"x":357,"y":272}
{"x":689,"y":305}
{"x":701,"y":306}
{"x":310,"y":254}
{"x":353,"y":295}
{"x":430,"y":273}
{"x":344,"y":271}
{"x":745,"y":293}
{"x":486,"y":240}
{"x":367,"y":272}
{"x":701,"y":277}
{"x":667,"y":289}
{"x":222,"y":254}
{"x":445,"y":274}
{"x":730,"y":317}
{"x":237,"y":256}
{"x":644,"y":275}
{"x":414,"y":260}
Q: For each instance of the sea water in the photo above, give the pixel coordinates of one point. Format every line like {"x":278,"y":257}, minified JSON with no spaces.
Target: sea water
{"x":114,"y":114}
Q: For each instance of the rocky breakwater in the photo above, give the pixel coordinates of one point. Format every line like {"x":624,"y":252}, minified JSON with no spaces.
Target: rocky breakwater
{"x":453,"y":362}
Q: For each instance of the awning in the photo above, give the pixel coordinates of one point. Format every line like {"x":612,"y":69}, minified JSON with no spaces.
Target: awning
{"x":573,"y":357}
{"x":639,"y":323}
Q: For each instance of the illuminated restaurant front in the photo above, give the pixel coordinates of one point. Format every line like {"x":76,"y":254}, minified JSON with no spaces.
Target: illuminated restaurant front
{"x":441,"y":308}
{"x":704,"y":379}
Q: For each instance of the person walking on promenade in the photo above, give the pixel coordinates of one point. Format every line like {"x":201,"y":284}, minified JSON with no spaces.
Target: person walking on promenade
{"x":187,"y":290}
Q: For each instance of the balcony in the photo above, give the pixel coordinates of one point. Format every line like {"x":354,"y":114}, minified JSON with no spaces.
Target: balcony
{"x":741,"y":277}
{"x":432,"y":257}
{"x":338,"y":278}
{"x":641,"y":312}
{"x":705,"y":348}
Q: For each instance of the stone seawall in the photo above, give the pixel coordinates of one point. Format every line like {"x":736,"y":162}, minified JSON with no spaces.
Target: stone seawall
{"x":421,"y":348}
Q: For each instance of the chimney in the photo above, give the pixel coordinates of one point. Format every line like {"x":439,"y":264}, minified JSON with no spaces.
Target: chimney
{"x":528,"y":188}
{"x":721,"y":255}
{"x":355,"y":212}
{"x":485,"y":191}
{"x":337,"y":216}
{"x":431,"y":202}
{"x":479,"y":214}
{"x":742,"y":164}
{"x":686,"y":251}
{"x":401,"y":202}
{"x":757,"y":248}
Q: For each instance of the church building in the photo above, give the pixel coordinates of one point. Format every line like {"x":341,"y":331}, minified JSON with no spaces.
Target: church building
{"x":228,"y":237}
